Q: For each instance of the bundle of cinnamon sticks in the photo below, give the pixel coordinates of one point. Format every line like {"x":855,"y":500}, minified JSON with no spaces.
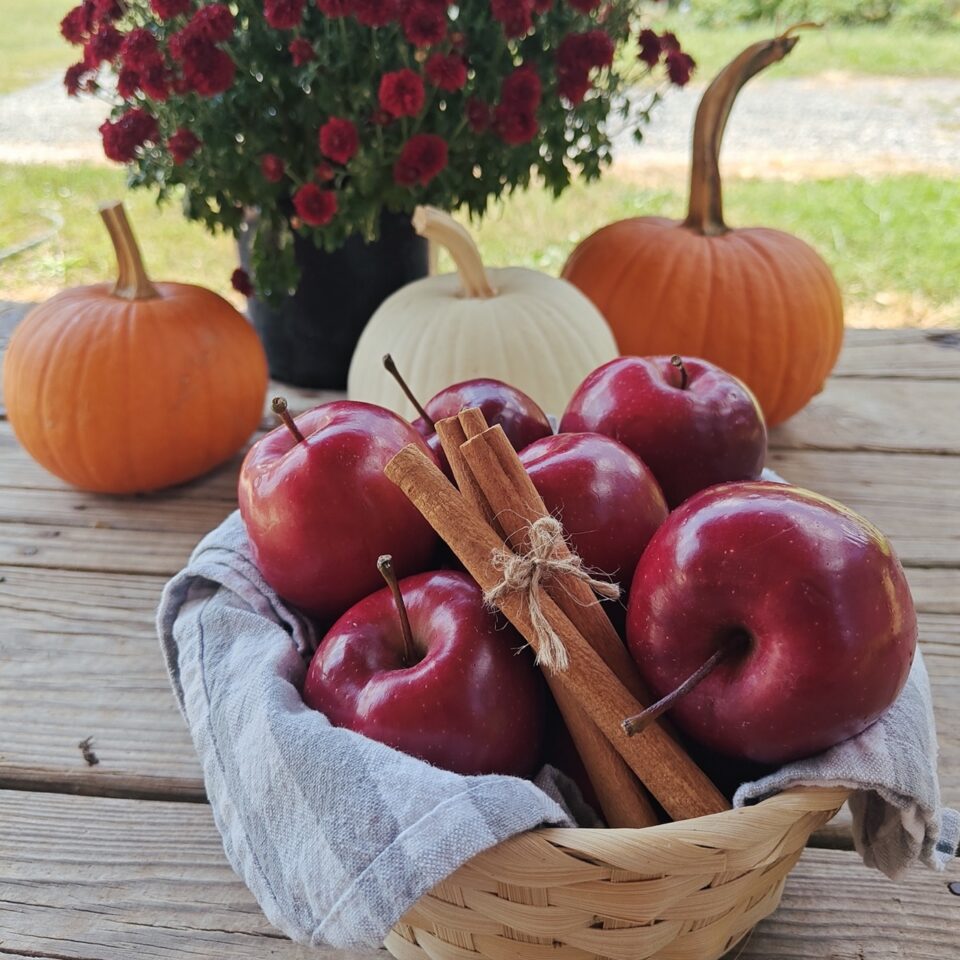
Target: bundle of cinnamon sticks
{"x":491,"y":524}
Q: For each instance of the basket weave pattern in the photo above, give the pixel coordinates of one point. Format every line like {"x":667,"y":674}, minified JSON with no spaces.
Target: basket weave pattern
{"x":679,"y":891}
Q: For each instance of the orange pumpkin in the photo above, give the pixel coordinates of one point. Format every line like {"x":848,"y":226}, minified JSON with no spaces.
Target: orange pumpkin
{"x":758,"y":302}
{"x":134,"y":386}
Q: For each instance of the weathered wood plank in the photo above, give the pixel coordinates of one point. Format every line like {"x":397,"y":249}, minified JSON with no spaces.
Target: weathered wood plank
{"x":882,"y":414}
{"x":79,"y":658}
{"x":914,"y":499}
{"x":112,"y":879}
{"x":900,"y":354}
{"x":150,"y":879}
{"x":95,"y":549}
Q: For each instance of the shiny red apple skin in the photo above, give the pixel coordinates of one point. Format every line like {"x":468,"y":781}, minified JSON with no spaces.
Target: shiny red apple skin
{"x":709,"y":432}
{"x":469,"y":703}
{"x":521,"y":418}
{"x":319,"y":513}
{"x":604,"y":495}
{"x":816,"y":588}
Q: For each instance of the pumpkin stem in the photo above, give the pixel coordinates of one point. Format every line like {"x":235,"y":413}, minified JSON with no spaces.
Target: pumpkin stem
{"x":705,"y":212}
{"x":385,"y":566}
{"x":279,"y":407}
{"x":440,"y":227}
{"x":132,"y":280}
{"x":737,"y":643}
{"x":391,"y":368}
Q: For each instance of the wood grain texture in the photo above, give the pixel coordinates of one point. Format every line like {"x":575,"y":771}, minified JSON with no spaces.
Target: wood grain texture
{"x":149,"y":879}
{"x":882,"y":414}
{"x":78,"y":658}
{"x":900,"y":354}
{"x":113,"y":879}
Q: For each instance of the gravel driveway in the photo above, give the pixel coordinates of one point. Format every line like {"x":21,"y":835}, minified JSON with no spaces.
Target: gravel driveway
{"x":823,"y":125}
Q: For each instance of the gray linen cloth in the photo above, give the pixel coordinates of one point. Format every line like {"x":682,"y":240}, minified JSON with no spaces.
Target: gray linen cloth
{"x":337,"y":835}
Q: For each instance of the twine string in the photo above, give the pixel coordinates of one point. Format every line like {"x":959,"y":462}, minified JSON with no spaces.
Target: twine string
{"x":525,"y":573}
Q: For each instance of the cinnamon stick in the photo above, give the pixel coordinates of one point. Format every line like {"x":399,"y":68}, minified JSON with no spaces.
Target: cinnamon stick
{"x":516,"y":503}
{"x":452,"y":437}
{"x":682,"y":789}
{"x":623,"y":801}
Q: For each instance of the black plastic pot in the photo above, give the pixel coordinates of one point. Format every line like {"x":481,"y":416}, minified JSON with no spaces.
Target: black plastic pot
{"x":310,"y":337}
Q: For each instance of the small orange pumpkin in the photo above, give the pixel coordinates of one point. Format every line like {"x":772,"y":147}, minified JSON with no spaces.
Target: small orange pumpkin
{"x":756,"y":301}
{"x":135,"y":386}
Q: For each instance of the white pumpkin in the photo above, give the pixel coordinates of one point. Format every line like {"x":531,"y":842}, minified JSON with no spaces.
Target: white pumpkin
{"x":533,"y":331}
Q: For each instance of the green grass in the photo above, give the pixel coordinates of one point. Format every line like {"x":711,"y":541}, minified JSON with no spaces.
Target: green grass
{"x":894,"y":236}
{"x":890,"y":51}
{"x":31,"y":47}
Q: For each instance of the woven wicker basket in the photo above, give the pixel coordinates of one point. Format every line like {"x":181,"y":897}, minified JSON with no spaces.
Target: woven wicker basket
{"x":684,"y":891}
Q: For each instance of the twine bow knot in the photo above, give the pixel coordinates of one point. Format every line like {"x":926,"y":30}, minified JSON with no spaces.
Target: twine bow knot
{"x":525,"y":573}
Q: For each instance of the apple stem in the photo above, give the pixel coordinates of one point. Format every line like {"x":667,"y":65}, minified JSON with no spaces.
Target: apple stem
{"x":385,"y":566}
{"x":391,"y":368}
{"x":678,"y":363}
{"x":640,"y":722}
{"x":279,"y":407}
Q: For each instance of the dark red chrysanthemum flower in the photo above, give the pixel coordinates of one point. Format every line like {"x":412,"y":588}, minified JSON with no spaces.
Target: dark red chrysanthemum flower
{"x":375,"y":13}
{"x":128,"y":83}
{"x":324,"y":172}
{"x":103,"y":45}
{"x":401,"y":93}
{"x":283,"y":14}
{"x":155,"y":80}
{"x":649,"y":47}
{"x":522,"y":89}
{"x":130,"y":130}
{"x":577,"y":55}
{"x":423,"y":156}
{"x":74,"y":27}
{"x":515,"y":125}
{"x":139,"y":48}
{"x":425,"y":24}
{"x":339,"y":140}
{"x":206,"y":68}
{"x":669,"y":41}
{"x":515,"y":15}
{"x":166,"y":9}
{"x":73,"y":78}
{"x":315,"y":206}
{"x":301,"y":51}
{"x":447,"y":71}
{"x":240,"y":281}
{"x":680,"y":66}
{"x":107,"y":10}
{"x":272,"y":167}
{"x":334,"y":8}
{"x":478,"y":115}
{"x":183,"y":145}
{"x":214,"y":22}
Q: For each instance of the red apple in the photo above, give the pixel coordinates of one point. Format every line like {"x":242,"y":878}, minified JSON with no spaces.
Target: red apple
{"x":608,"y":501}
{"x":690,"y":422}
{"x":456,"y":694}
{"x":320,"y":511}
{"x":803,"y":602}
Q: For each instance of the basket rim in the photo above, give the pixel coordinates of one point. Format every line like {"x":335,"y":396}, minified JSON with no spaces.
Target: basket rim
{"x":801,"y":799}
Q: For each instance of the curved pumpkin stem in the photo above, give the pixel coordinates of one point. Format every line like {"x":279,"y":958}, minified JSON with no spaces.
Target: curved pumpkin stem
{"x":132,"y":280}
{"x":705,"y":212}
{"x":440,"y":227}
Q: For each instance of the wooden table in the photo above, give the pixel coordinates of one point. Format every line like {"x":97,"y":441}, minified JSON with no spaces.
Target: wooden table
{"x":122,"y":859}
